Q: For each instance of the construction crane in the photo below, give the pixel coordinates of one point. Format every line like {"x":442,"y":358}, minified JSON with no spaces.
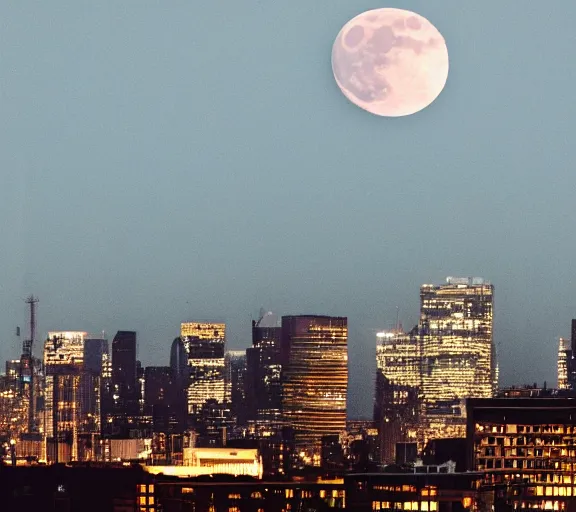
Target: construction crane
{"x":27,"y":364}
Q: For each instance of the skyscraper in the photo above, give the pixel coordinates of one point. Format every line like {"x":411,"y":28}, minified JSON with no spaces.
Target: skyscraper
{"x":314,"y":354}
{"x":458,"y":355}
{"x":398,"y":387}
{"x":564,"y":355}
{"x":63,"y":363}
{"x":235,"y":375}
{"x":124,"y":372}
{"x":204,"y":344}
{"x":263,"y":372}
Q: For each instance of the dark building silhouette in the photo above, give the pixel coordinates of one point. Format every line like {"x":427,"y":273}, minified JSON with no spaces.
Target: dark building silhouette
{"x":263,"y":374}
{"x":121,"y":391}
{"x":163,"y":400}
{"x":124,"y":373}
{"x":235,"y":367}
{"x":179,"y":360}
{"x":94,"y":349}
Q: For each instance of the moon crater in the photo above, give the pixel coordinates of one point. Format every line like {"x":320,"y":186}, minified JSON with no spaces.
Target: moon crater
{"x":390,"y":62}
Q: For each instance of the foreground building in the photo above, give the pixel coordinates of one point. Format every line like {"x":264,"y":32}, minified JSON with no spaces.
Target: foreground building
{"x":314,"y":353}
{"x":526,"y":450}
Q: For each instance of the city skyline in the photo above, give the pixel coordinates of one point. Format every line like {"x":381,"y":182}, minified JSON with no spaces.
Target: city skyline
{"x":362,"y":410}
{"x":153,"y":172}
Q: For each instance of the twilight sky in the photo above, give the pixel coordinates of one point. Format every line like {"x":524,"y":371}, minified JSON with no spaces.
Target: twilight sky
{"x":163,"y":161}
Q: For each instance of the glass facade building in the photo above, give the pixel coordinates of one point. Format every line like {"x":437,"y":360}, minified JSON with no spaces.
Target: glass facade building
{"x":458,"y":354}
{"x":314,"y":354}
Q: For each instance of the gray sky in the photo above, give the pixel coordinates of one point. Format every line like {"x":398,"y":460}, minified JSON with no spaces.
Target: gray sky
{"x":171,"y":160}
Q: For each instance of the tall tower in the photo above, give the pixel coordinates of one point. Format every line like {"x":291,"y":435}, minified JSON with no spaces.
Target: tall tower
{"x":63,"y":363}
{"x":314,"y":351}
{"x":564,"y":355}
{"x":27,"y":366}
{"x":204,"y":344}
{"x":458,"y":357}
{"x":124,"y":374}
{"x":398,"y":388}
{"x":263,"y":372}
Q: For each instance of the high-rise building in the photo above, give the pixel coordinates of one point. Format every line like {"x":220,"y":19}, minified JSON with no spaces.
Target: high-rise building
{"x":94,"y":348}
{"x":235,"y":375}
{"x":204,"y":344}
{"x":63,"y":414}
{"x":314,"y":355}
{"x":564,"y":354}
{"x":458,"y":355}
{"x":124,"y":373}
{"x":161,"y":399}
{"x":263,"y":374}
{"x":178,"y":359}
{"x":398,"y":386}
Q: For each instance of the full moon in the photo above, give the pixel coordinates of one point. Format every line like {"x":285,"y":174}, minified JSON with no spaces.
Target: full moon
{"x":390,"y":62}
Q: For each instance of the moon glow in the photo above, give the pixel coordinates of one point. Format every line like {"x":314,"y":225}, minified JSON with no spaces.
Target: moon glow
{"x":390,"y":62}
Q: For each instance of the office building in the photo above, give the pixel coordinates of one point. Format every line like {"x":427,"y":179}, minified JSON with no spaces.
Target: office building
{"x":397,"y":405}
{"x":94,"y":349}
{"x":178,"y":359}
{"x":162,"y":400}
{"x":526,"y":447}
{"x":124,"y":373}
{"x":204,"y":344}
{"x":458,"y":355}
{"x":564,"y":356}
{"x":314,"y":357}
{"x":235,"y":376}
{"x":64,"y":394}
{"x":263,"y":375}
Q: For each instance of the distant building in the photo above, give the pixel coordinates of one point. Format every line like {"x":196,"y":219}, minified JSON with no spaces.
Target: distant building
{"x":314,"y":353}
{"x":94,"y":349}
{"x":124,"y":373}
{"x":397,"y":406}
{"x":204,"y":344}
{"x":179,"y":359}
{"x":564,"y":354}
{"x":458,"y":354}
{"x":71,"y":415}
{"x":235,"y":368}
{"x":123,"y":407}
{"x":263,"y":375}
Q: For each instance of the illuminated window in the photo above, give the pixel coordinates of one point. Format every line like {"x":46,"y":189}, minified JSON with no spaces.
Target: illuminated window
{"x":151,"y":500}
{"x":187,"y":490}
{"x":142,"y":500}
{"x":234,"y":496}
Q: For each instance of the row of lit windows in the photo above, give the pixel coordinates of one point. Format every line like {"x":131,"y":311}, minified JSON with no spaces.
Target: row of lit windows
{"x":426,"y":506}
{"x":525,"y":429}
